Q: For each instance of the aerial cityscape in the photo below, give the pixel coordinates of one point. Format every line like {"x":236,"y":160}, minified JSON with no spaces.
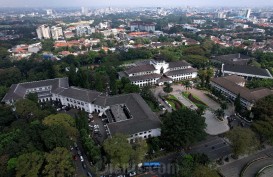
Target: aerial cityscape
{"x":125,"y":88}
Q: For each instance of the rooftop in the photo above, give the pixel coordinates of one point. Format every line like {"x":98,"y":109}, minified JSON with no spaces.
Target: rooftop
{"x":245,"y":93}
{"x":181,"y":63}
{"x":140,"y":68}
{"x":180,"y":71}
{"x":18,"y":91}
{"x":247,"y":70}
{"x":238,"y":59}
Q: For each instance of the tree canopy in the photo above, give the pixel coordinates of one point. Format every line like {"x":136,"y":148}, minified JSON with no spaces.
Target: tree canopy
{"x":243,"y":141}
{"x":182,"y":128}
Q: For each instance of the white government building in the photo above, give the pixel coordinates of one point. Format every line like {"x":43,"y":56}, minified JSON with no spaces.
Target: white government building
{"x":157,"y":72}
{"x":128,"y":113}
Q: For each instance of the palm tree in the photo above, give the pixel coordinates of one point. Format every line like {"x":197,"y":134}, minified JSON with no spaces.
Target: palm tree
{"x":219,"y":113}
{"x":187,"y":84}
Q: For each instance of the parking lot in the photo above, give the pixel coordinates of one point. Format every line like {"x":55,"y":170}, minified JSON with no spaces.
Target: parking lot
{"x":98,"y":127}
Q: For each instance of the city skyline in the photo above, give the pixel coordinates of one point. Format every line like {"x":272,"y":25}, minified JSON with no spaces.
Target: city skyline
{"x":139,"y":3}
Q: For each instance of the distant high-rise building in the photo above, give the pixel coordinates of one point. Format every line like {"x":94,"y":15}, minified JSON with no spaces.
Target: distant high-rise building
{"x":43,"y":32}
{"x":56,"y":32}
{"x":142,"y":26}
{"x":221,"y":15}
{"x":248,"y":12}
{"x":49,"y":12}
{"x":84,"y":11}
{"x":245,"y":13}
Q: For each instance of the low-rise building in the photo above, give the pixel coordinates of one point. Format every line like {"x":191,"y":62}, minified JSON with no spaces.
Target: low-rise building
{"x":237,"y":64}
{"x":232,"y":86}
{"x":153,"y":71}
{"x":128,"y":113}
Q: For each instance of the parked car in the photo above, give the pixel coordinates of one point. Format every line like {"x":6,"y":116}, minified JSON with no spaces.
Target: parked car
{"x":83,"y":165}
{"x":133,"y":173}
{"x":81,"y":158}
{"x":89,"y":174}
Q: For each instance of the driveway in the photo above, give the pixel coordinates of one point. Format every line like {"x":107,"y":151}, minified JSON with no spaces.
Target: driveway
{"x":215,"y":126}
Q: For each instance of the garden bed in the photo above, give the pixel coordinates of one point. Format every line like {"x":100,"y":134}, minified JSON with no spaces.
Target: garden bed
{"x":174,"y":102}
{"x":194,"y":99}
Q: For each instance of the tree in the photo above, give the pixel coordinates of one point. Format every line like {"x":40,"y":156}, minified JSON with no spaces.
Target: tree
{"x":243,"y":141}
{"x":202,"y":76}
{"x":140,"y":148}
{"x":219,"y":113}
{"x":224,"y":105}
{"x":190,"y":164}
{"x":55,"y":136}
{"x":33,"y":97}
{"x":91,"y":149}
{"x":263,"y":108}
{"x":237,"y":103}
{"x":29,"y":164}
{"x":131,"y":88}
{"x":187,"y":84}
{"x":3,"y":91}
{"x":119,"y":150}
{"x":64,"y":120}
{"x":59,"y":163}
{"x":26,"y":108}
{"x":6,"y":115}
{"x":264,"y":128}
{"x":181,"y":128}
{"x":204,"y":171}
{"x":168,"y":88}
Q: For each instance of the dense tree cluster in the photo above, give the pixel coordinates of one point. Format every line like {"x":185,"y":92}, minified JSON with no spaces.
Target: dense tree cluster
{"x":35,"y":141}
{"x":182,"y":128}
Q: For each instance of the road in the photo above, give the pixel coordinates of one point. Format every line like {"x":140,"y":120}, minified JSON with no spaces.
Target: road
{"x":233,"y":168}
{"x":214,"y":147}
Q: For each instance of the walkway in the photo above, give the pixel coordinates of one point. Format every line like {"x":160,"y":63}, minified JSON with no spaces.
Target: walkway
{"x":215,"y":126}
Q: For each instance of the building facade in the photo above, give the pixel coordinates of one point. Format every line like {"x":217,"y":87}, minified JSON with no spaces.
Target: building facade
{"x":56,"y":32}
{"x":142,"y":26}
{"x":157,"y":72}
{"x":43,"y":32}
{"x":232,"y":86}
{"x":84,"y":30}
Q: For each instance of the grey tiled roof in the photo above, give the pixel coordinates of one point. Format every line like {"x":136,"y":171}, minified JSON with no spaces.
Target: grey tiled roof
{"x":140,"y":68}
{"x":236,"y":79}
{"x":180,"y":71}
{"x":144,"y":77}
{"x":80,"y":94}
{"x":247,"y":70}
{"x":176,"y":64}
{"x":143,"y":117}
{"x":238,"y":59}
{"x":122,"y":74}
{"x":247,"y":94}
{"x":18,"y":91}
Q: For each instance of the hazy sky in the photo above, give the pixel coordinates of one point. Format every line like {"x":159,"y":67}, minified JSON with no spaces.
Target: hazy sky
{"x":130,"y":3}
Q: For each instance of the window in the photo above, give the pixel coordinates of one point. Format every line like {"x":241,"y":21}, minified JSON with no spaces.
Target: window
{"x":140,"y":133}
{"x":145,"y":137}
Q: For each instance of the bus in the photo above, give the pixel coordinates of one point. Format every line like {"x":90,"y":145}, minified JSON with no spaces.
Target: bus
{"x":151,"y":165}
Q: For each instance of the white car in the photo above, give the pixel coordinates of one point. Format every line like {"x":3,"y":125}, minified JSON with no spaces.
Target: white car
{"x":133,"y":173}
{"x":81,"y":158}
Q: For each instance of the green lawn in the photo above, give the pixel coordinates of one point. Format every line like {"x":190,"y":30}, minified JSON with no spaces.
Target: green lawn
{"x":173,"y":101}
{"x":195,"y":99}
